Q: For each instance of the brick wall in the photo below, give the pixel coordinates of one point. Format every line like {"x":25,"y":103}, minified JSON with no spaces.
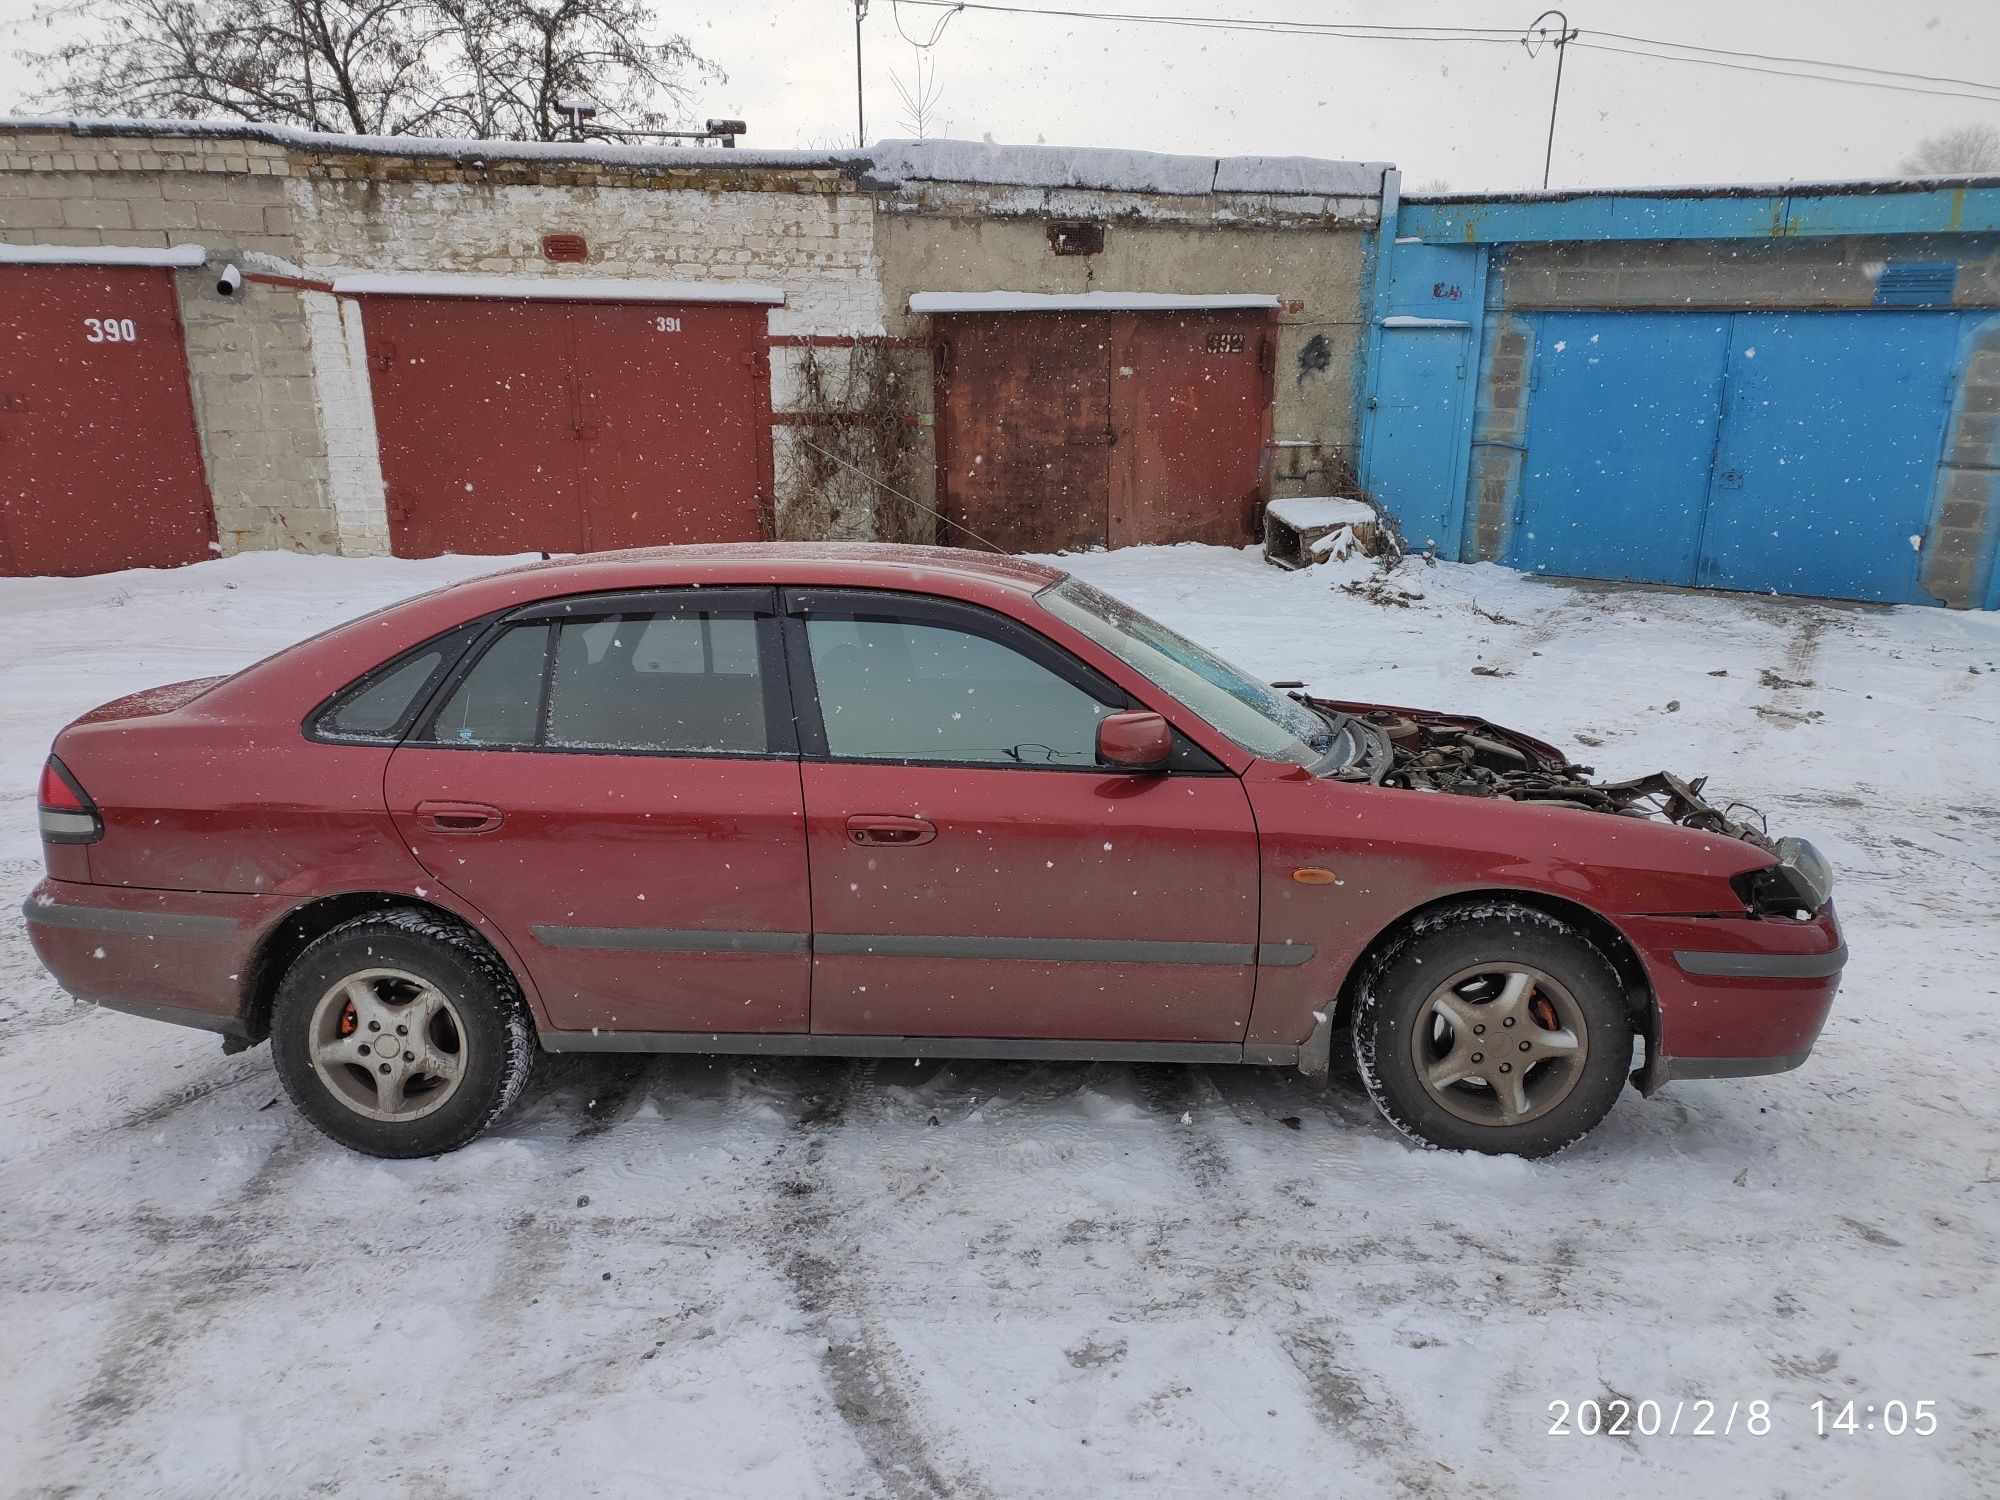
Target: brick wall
{"x":1959,"y":543}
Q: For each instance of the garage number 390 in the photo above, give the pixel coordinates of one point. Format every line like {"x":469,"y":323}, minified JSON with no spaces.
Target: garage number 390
{"x":110,"y":331}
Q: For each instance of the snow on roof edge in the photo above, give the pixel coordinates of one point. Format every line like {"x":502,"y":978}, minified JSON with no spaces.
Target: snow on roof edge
{"x":557,"y":288}
{"x":989,"y":302}
{"x":886,"y":164}
{"x":181,"y":256}
{"x":894,"y":162}
{"x":1839,"y":186}
{"x":602,"y":152}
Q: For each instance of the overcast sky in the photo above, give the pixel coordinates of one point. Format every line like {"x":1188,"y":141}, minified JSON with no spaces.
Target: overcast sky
{"x":1469,"y":115}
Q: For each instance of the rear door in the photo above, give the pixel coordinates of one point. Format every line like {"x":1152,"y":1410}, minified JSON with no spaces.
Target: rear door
{"x":975,"y":873}
{"x":612,"y":781}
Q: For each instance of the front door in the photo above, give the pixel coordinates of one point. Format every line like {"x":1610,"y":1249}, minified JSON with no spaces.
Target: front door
{"x":975,"y":873}
{"x":613,"y":783}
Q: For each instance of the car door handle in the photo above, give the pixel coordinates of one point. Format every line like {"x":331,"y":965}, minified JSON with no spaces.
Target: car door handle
{"x":883,"y":828}
{"x":459,"y":817}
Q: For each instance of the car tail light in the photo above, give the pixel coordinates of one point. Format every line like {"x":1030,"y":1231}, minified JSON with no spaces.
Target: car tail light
{"x":68,"y":814}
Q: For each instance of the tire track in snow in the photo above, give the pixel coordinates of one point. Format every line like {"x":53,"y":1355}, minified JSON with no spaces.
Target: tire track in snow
{"x":217,"y":1257}
{"x":1346,"y":1402}
{"x":816,"y":1248}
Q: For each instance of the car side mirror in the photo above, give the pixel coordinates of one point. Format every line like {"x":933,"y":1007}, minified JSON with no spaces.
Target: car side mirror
{"x":1136,"y":740}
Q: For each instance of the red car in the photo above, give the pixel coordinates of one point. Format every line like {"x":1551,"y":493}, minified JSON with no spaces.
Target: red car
{"x":892,"y":802}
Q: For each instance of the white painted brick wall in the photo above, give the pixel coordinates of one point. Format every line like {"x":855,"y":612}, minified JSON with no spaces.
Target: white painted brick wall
{"x":347,"y":414}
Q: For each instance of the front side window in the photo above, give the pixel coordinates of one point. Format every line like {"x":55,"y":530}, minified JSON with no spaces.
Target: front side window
{"x":896,"y":689}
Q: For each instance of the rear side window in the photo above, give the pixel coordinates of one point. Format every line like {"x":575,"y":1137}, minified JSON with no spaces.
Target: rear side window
{"x":380,"y":706}
{"x":680,"y":682}
{"x":499,"y":700}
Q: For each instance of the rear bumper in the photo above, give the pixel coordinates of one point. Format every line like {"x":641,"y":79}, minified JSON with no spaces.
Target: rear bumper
{"x":1735,"y":997}
{"x":176,"y":956}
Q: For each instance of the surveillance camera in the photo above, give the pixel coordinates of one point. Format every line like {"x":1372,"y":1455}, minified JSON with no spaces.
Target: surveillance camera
{"x":230,"y":282}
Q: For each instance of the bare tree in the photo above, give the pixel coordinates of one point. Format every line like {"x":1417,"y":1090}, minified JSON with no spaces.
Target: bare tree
{"x":1953,"y":153}
{"x":920,"y":94}
{"x":484,"y":68}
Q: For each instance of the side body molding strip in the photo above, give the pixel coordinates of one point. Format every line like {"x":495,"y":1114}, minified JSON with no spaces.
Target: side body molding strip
{"x":891,"y":945}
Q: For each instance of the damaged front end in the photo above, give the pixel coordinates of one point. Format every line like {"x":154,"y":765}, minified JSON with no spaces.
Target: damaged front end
{"x":1469,"y":757}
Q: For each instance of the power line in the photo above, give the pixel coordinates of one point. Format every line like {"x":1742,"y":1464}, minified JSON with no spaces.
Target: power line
{"x":1865,"y":83}
{"x":1713,"y":57}
{"x":1356,"y":30}
{"x":1814,"y":62}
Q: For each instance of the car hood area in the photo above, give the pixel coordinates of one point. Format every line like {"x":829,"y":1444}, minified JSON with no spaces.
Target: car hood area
{"x":1427,"y":750}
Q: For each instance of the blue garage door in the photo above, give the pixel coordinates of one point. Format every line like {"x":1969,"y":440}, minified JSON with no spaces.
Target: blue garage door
{"x":1793,"y":453}
{"x":1622,"y":422}
{"x":1830,"y":446}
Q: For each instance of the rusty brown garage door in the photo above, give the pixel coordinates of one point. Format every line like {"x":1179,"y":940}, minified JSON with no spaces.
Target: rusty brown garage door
{"x":510,"y":424}
{"x":100,"y":467}
{"x":1061,"y":425}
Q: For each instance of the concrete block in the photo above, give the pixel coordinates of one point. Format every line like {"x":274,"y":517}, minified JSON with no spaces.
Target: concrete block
{"x":30,"y":213}
{"x":96,"y":213}
{"x":230,"y":218}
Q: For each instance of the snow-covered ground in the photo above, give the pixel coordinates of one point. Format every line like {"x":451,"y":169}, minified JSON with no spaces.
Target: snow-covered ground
{"x":682,"y":1277}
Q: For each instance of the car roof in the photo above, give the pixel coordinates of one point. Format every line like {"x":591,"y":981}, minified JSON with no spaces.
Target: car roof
{"x":836,"y":564}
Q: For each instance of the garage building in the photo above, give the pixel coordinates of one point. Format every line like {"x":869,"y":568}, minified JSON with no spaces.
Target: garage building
{"x":409,"y":346}
{"x":1792,"y":391}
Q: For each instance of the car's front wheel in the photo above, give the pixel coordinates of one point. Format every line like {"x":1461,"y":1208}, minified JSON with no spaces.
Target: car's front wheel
{"x":1492,"y":1026}
{"x":400,"y":1034}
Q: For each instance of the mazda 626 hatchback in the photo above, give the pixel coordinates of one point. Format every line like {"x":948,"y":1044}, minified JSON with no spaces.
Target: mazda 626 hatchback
{"x":892,"y":802}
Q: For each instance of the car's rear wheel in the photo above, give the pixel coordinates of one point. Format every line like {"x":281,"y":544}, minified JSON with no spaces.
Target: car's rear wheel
{"x":1492,"y":1026}
{"x":400,"y":1034}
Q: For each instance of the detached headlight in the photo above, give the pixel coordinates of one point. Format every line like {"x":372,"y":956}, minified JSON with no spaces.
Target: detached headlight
{"x":1801,"y":881}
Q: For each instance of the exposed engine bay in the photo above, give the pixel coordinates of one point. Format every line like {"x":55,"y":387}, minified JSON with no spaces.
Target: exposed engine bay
{"x":1470,"y":757}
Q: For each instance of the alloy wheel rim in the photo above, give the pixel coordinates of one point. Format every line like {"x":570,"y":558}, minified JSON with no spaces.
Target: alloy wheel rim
{"x":1500,"y":1044}
{"x":388,"y":1044}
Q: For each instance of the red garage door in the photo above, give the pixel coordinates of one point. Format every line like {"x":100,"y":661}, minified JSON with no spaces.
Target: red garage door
{"x":100,"y":467}
{"x":508,"y":426}
{"x":1084,"y":429}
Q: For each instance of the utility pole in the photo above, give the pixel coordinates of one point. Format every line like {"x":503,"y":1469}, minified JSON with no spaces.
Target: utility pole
{"x":860,"y":117}
{"x":1537,"y":34}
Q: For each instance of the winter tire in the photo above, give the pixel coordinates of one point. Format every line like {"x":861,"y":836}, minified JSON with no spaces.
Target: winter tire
{"x":400,"y":1034}
{"x":1492,"y":1026}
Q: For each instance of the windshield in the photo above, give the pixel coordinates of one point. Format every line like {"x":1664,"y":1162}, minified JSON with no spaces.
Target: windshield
{"x":1263,"y":722}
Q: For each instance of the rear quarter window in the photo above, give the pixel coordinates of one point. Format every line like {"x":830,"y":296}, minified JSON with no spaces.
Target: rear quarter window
{"x":379,"y":707}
